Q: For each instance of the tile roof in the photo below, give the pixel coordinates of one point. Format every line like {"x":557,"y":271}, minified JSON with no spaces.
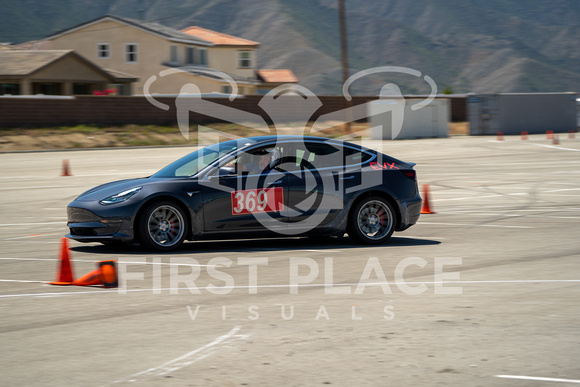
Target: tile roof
{"x":153,"y":27}
{"x":24,"y":62}
{"x":277,"y":76}
{"x":218,"y":38}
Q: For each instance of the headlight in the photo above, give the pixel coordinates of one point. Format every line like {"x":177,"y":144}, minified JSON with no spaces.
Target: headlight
{"x":120,"y":197}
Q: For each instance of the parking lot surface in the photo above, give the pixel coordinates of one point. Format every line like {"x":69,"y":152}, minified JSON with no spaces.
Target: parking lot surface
{"x":485,"y":291}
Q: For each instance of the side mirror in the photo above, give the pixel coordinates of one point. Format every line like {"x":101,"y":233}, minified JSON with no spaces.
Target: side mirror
{"x":226,"y":171}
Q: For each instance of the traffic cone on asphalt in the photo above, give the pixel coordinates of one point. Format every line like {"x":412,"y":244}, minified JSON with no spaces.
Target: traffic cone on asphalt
{"x":65,"y":274}
{"x":549,"y":134}
{"x":65,"y":168}
{"x":426,"y":207}
{"x":109,"y":276}
{"x":499,"y":136}
{"x":105,"y":274}
{"x":524,"y":135}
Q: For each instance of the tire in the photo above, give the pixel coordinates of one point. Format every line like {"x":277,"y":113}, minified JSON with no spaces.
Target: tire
{"x":371,"y":221}
{"x":162,"y":226}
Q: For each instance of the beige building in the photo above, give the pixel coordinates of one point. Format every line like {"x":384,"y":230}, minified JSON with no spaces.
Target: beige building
{"x":166,"y":60}
{"x":55,"y":72}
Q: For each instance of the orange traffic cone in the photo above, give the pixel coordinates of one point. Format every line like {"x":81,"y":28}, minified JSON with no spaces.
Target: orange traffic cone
{"x":105,"y":274}
{"x":549,"y":134}
{"x":65,"y":274}
{"x":499,"y":136}
{"x":109,"y":274}
{"x":524,"y":135}
{"x":65,"y":168}
{"x":426,"y":207}
{"x":89,"y":279}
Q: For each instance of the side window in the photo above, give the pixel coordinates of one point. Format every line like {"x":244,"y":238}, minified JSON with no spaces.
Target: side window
{"x":256,"y":161}
{"x":355,"y":156}
{"x":319,"y":155}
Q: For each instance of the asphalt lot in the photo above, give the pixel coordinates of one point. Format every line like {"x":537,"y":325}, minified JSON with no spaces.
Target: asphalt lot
{"x":484,"y":292}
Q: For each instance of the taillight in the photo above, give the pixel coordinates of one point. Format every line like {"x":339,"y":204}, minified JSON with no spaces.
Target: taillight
{"x":410,"y":174}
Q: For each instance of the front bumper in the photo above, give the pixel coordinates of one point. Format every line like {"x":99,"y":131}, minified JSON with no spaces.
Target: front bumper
{"x":86,"y":226}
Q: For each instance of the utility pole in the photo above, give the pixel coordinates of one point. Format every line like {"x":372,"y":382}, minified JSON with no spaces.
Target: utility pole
{"x":344,"y":54}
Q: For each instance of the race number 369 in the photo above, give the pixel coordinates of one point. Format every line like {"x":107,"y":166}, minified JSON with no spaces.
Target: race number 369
{"x":257,"y":200}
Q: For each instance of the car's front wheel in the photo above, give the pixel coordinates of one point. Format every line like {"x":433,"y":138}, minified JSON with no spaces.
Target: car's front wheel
{"x":162,"y":226}
{"x":372,"y":221}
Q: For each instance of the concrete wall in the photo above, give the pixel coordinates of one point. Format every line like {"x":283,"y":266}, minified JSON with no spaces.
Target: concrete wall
{"x":396,"y":119}
{"x":514,"y":113}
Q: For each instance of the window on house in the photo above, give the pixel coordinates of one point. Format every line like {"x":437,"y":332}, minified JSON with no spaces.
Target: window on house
{"x":103,"y":51}
{"x":81,"y":89}
{"x":202,"y":56}
{"x":131,"y":53}
{"x":46,"y":88}
{"x":9,"y":88}
{"x":245,"y":59}
{"x":189,"y":55}
{"x":173,"y":55}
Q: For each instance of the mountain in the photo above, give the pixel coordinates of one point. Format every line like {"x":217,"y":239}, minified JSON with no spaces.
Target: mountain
{"x":482,"y":46}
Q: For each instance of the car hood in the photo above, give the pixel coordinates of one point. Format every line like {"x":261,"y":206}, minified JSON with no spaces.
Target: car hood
{"x":104,"y":190}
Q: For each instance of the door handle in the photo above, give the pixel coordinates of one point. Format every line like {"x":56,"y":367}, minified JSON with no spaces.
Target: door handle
{"x":347,"y":177}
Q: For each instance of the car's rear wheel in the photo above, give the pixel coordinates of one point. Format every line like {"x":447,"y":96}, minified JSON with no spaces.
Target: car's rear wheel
{"x":162,"y":226}
{"x":372,"y":221}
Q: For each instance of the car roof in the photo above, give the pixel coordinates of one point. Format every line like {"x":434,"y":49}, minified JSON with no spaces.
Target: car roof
{"x":256,"y":140}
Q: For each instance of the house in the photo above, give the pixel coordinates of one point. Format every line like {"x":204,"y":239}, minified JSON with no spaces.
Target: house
{"x":55,"y":72}
{"x":208,"y":59}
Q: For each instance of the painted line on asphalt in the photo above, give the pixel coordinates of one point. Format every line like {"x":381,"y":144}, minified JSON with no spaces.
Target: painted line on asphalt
{"x":38,"y":187}
{"x":123,"y":291}
{"x":24,"y":281}
{"x":126,"y":262}
{"x":472,"y":225}
{"x":189,"y":358}
{"x":557,"y":147}
{"x":319,"y":251}
{"x":30,"y":224}
{"x":537,"y":378}
{"x":507,"y":215}
{"x":483,"y":197}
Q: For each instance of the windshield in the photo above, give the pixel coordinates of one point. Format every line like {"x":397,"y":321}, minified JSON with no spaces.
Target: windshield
{"x":194,"y":162}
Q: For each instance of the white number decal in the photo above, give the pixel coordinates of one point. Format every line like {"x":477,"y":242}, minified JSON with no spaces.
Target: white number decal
{"x":251,"y":201}
{"x":257,"y":200}
{"x":262,"y":200}
{"x":239,"y":196}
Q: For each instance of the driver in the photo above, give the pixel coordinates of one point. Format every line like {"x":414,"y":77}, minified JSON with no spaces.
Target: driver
{"x":263,"y":163}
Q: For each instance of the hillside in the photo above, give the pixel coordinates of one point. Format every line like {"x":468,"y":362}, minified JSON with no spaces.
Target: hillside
{"x":482,"y":46}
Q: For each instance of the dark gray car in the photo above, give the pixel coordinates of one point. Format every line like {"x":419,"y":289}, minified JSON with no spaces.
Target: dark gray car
{"x":255,"y":187}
